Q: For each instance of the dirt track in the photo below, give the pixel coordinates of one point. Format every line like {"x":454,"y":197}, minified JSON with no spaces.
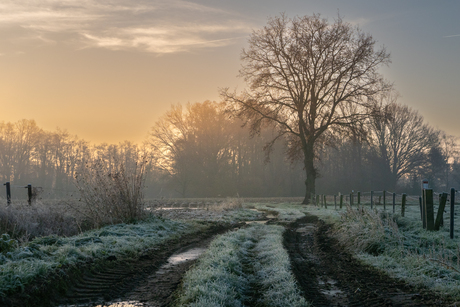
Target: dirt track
{"x":329,"y":276}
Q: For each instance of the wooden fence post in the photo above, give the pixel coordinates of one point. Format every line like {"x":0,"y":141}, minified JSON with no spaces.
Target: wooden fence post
{"x":29,"y":193}
{"x":335,"y":202}
{"x":8,"y":192}
{"x":403,"y":204}
{"x":341,"y":201}
{"x":440,"y":215}
{"x":351,"y":199}
{"x":421,"y":211}
{"x":452,"y":213}
{"x":394,"y":202}
{"x":428,"y":208}
{"x":325,"y":204}
{"x":359,"y":198}
{"x":372,"y":199}
{"x":384,"y":200}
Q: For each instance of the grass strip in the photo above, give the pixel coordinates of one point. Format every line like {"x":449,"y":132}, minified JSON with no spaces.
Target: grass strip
{"x":226,"y":274}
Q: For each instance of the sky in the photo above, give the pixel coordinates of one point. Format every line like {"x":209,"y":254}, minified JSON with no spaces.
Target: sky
{"x":107,"y":70}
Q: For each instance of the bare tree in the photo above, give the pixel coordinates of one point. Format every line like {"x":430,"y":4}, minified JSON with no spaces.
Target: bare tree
{"x":403,"y":139}
{"x":307,"y":76}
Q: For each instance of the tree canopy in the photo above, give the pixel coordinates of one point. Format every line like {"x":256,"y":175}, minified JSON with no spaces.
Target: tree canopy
{"x":305,"y":76}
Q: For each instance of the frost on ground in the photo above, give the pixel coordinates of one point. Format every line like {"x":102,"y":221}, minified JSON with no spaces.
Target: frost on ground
{"x":248,"y":266}
{"x":401,"y":247}
{"x":45,"y":255}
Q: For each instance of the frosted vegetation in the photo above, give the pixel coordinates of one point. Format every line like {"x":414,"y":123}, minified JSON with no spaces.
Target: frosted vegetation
{"x":42,"y":256}
{"x":400,"y":246}
{"x":239,"y":266}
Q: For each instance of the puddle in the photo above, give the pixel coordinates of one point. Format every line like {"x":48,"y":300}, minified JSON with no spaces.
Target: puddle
{"x":111,"y":304}
{"x":190,"y":254}
{"x":307,"y":228}
{"x":256,"y":222}
{"x":330,"y":290}
{"x":123,"y":304}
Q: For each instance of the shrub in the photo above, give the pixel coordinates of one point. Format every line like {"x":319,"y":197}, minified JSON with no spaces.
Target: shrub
{"x":111,"y":193}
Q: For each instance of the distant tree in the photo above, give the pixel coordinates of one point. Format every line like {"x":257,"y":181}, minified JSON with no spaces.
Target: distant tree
{"x":193,"y":147}
{"x":307,"y":76}
{"x":403,"y":139}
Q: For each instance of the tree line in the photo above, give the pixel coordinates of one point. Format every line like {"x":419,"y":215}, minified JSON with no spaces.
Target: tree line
{"x":200,"y":150}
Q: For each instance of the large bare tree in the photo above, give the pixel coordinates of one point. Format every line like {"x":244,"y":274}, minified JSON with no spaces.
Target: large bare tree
{"x":306,"y":76}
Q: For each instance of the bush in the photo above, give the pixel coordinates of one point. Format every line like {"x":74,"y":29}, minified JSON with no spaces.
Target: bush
{"x":111,"y":193}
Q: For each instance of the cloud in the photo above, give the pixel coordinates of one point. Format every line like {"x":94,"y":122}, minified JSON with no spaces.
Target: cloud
{"x":158,"y":26}
{"x":457,"y":35}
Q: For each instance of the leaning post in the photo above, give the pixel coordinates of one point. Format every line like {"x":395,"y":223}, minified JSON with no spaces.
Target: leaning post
{"x":440,"y":216}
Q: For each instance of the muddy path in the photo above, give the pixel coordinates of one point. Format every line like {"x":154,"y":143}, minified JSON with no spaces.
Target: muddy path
{"x":330,"y":276}
{"x":146,"y":281}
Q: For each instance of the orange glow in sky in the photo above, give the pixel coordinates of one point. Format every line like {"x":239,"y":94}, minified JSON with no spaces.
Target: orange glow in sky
{"x":107,"y":70}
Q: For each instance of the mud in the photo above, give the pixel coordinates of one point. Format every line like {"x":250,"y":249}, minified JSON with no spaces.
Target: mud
{"x":147,"y":281}
{"x":326,"y":274}
{"x":330,"y":276}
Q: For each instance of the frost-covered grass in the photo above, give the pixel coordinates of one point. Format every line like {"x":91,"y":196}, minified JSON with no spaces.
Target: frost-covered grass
{"x":401,"y":247}
{"x":46,"y":255}
{"x":237,"y":262}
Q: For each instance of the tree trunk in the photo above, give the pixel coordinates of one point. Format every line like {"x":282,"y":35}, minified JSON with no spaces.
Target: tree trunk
{"x":309,"y":157}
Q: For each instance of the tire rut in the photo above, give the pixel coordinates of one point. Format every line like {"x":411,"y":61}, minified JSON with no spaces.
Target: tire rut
{"x":146,"y":281}
{"x":330,"y":276}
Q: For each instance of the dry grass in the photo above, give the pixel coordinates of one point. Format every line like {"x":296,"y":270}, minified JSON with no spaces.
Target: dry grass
{"x":24,"y":222}
{"x":111,"y":193}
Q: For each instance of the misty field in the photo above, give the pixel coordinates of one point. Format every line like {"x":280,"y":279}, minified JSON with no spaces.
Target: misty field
{"x":251,"y":263}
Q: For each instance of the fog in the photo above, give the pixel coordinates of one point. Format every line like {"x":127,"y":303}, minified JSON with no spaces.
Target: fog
{"x":197,"y":150}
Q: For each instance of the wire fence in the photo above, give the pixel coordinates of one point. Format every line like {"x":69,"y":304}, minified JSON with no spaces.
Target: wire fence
{"x":429,"y":203}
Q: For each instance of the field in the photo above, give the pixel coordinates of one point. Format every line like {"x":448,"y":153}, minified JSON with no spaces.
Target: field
{"x":231,"y":252}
